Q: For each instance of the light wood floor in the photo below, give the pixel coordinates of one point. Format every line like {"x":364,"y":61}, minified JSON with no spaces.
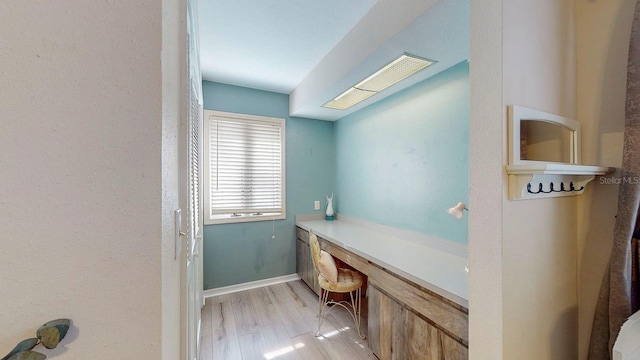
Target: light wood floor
{"x":277,"y":322}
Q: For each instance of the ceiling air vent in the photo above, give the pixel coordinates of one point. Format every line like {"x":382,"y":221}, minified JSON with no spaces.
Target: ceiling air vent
{"x":399,"y":69}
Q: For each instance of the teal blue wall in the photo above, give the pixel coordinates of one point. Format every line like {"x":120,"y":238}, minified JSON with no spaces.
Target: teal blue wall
{"x":238,"y":253}
{"x":404,"y":160}
{"x":400,"y":162}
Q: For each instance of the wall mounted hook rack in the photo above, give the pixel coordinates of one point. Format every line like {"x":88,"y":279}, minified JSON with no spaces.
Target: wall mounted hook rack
{"x":544,"y":156}
{"x":551,"y":188}
{"x":537,"y":181}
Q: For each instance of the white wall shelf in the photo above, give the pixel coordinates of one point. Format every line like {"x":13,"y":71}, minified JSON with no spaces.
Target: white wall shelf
{"x":544,"y":180}
{"x":544,"y":156}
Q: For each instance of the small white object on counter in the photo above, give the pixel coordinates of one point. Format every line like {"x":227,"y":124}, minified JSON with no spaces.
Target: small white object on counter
{"x":434,"y":269}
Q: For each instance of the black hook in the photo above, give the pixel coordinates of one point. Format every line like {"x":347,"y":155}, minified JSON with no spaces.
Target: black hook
{"x":572,"y":188}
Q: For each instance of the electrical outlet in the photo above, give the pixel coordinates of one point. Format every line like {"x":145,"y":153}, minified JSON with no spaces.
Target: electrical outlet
{"x":316,"y":205}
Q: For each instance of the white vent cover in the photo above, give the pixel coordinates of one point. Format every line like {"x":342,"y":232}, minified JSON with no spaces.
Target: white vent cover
{"x":349,"y":98}
{"x":399,"y":69}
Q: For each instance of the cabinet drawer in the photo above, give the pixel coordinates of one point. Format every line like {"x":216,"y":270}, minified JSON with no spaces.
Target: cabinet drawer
{"x":302,"y":235}
{"x":357,"y":262}
{"x":451,"y":318}
{"x":347,"y":257}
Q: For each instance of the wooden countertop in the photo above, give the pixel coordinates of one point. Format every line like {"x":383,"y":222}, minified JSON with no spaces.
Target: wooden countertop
{"x":434,"y":269}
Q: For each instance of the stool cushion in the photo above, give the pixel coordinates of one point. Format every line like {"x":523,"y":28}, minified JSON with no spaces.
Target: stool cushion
{"x":327,"y":267}
{"x":348,"y":280}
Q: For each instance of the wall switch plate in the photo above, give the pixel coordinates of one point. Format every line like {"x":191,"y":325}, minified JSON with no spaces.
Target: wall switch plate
{"x":316,"y":205}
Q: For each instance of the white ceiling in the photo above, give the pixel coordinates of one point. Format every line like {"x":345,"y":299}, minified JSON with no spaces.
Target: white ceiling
{"x":314,"y":50}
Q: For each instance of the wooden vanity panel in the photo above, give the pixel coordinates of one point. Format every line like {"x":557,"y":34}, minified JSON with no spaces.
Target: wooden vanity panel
{"x":381,"y":333}
{"x":304,"y":264}
{"x":374,"y":320}
{"x":423,"y":340}
{"x":299,"y":258}
{"x":450,"y":317}
{"x":453,"y":350}
{"x":396,"y":332}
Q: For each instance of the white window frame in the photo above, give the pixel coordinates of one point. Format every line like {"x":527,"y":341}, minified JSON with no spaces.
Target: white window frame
{"x":229,"y":218}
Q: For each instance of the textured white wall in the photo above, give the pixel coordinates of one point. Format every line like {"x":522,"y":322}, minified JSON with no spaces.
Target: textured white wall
{"x":523,"y":290}
{"x":539,"y":249}
{"x":81,"y":196}
{"x":604,"y":28}
{"x":486,"y":131}
{"x":173,"y":87}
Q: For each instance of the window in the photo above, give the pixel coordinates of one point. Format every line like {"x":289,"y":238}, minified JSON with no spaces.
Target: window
{"x":244,"y":168}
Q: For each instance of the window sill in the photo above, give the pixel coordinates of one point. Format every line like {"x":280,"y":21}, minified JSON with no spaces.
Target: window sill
{"x":228,"y":219}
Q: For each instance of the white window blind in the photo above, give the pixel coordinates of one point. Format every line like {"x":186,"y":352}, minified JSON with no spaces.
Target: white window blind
{"x":246,"y":167}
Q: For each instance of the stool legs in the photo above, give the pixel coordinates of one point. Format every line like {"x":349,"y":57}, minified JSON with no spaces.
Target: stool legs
{"x":354,"y":308}
{"x":357,"y":307}
{"x":322,"y":303}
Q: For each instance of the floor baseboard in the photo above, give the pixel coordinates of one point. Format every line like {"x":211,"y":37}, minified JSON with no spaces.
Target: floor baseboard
{"x":249,"y":285}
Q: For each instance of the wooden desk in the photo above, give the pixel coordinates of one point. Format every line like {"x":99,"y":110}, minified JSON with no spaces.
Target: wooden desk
{"x":408,"y":317}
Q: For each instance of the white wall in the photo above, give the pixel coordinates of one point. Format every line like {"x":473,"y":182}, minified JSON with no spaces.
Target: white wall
{"x":523,"y":253}
{"x":486,"y":131}
{"x":603,"y":29}
{"x":173,"y":110}
{"x":83,"y":204}
{"x":539,"y":239}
